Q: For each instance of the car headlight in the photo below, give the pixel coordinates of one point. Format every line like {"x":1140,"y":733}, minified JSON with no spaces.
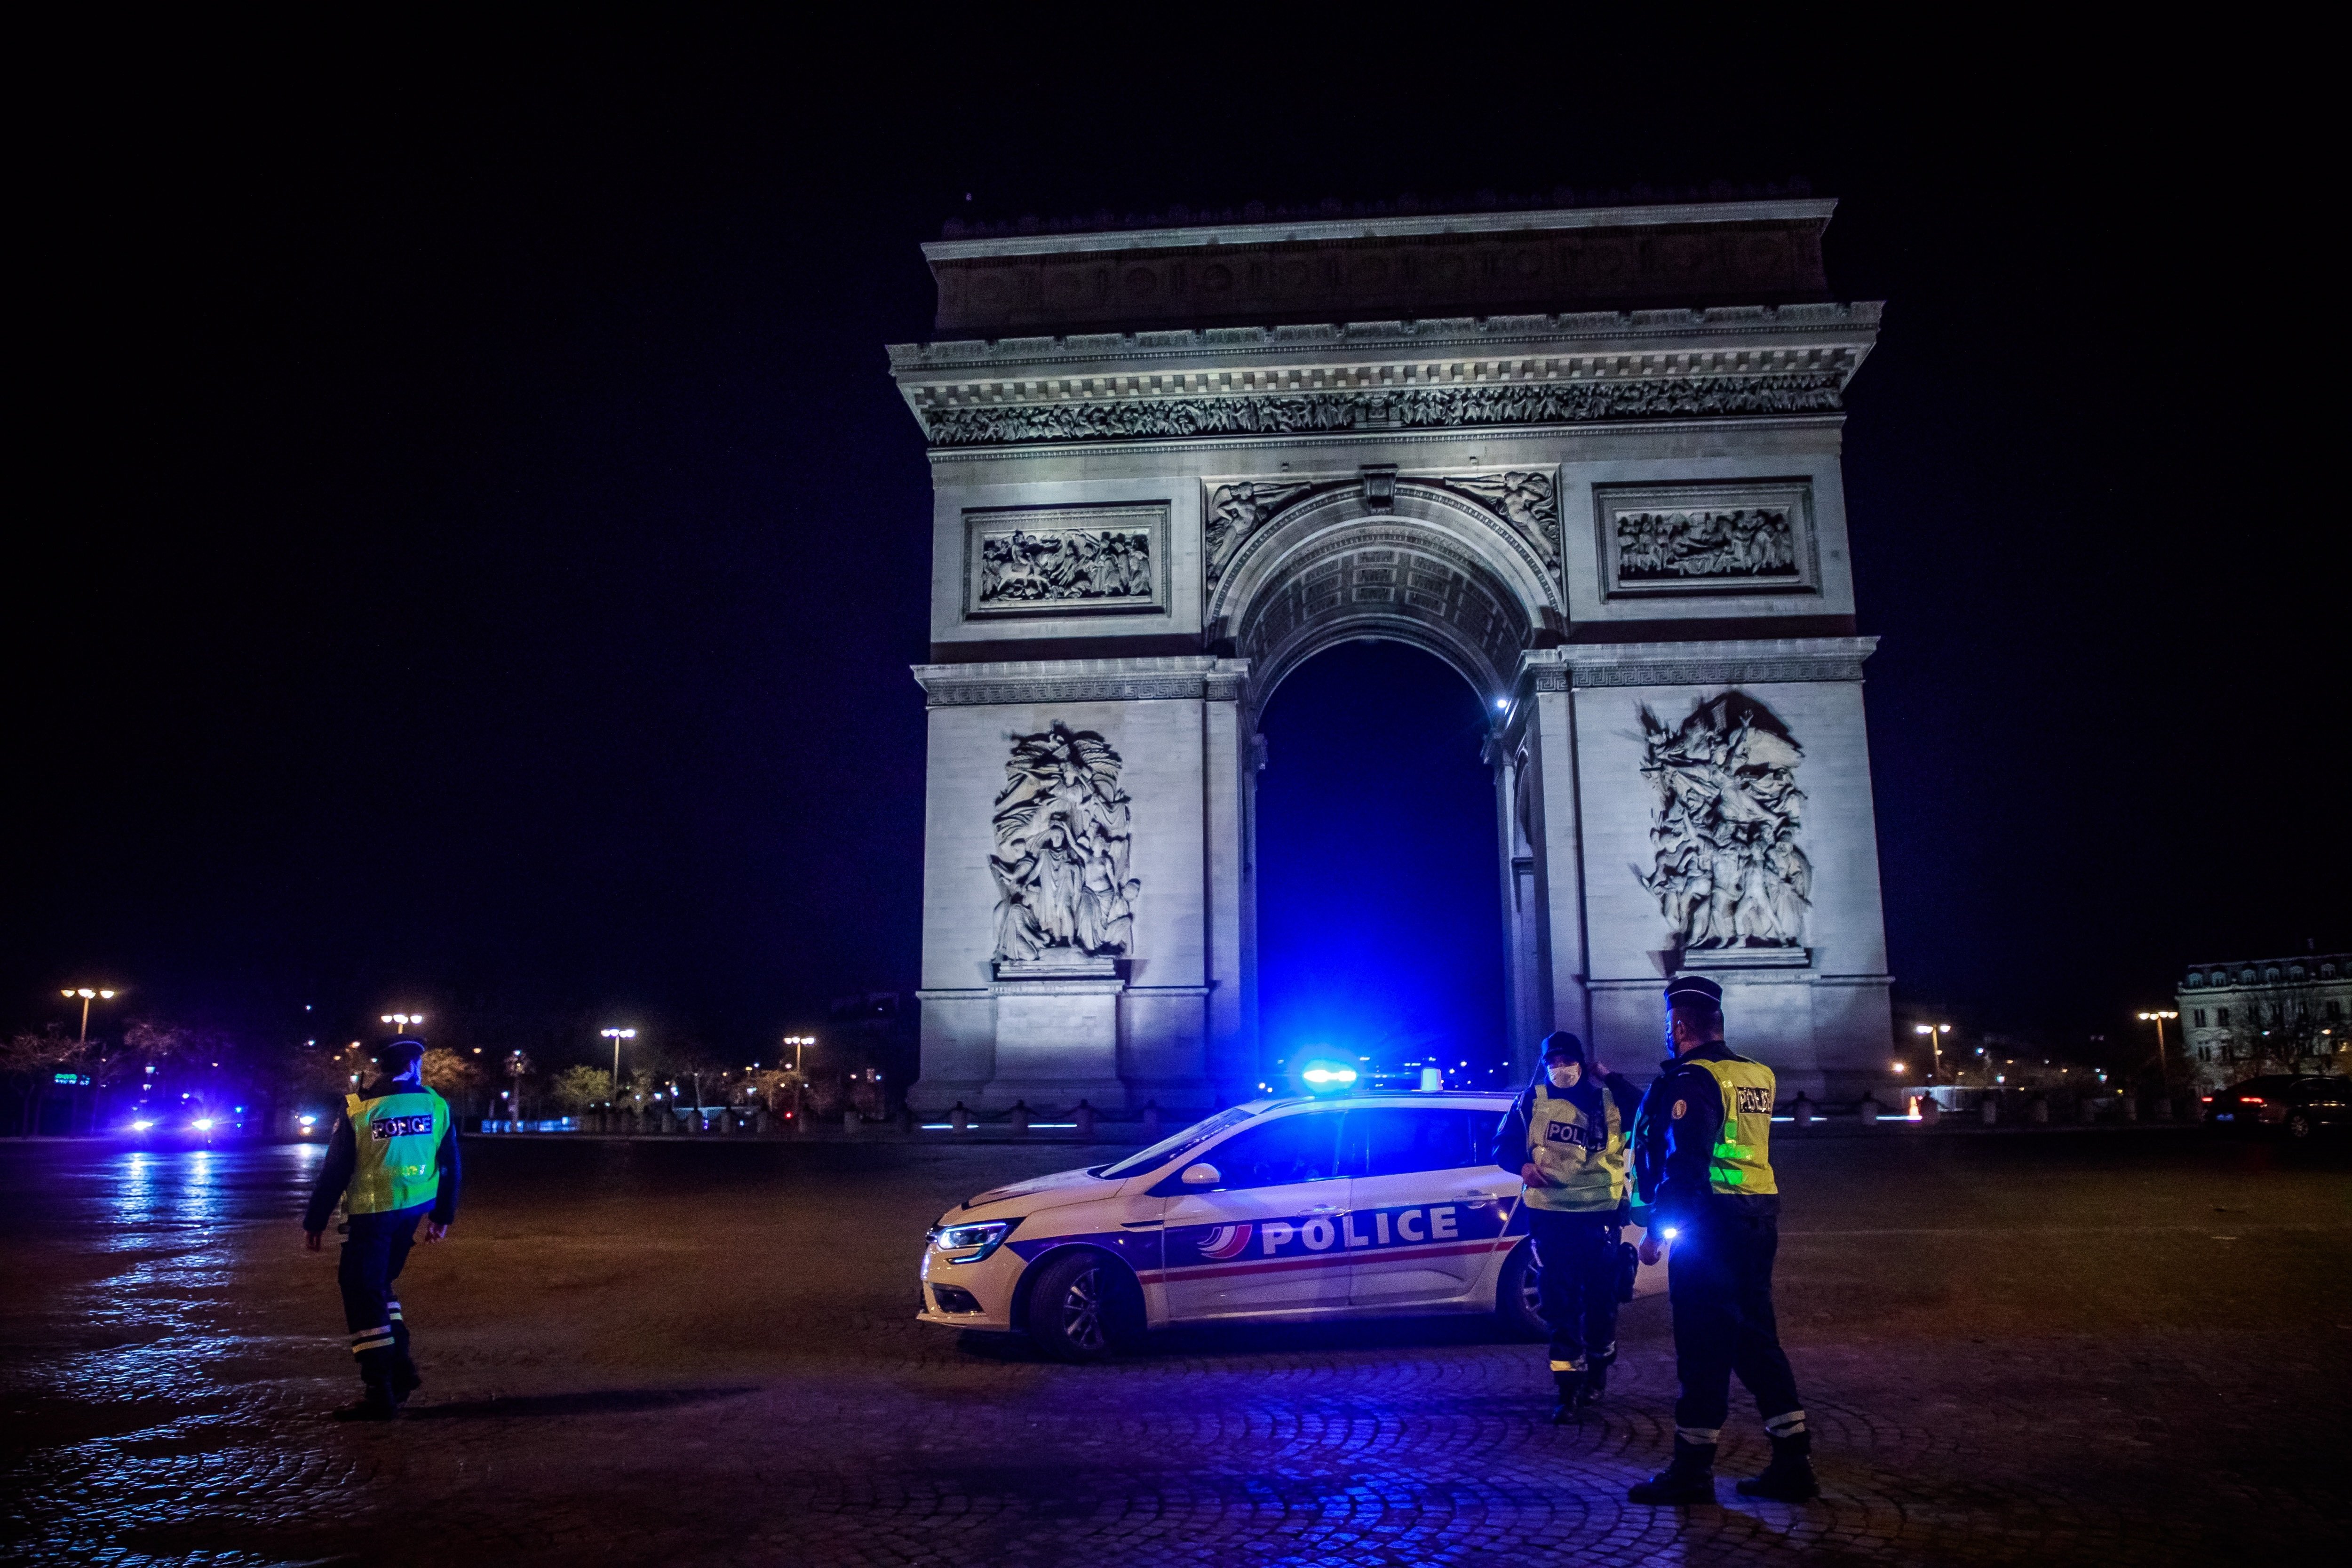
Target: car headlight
{"x":975,"y":1241}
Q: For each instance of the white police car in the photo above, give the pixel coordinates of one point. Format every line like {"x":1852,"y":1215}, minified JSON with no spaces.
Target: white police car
{"x":1283,"y":1209}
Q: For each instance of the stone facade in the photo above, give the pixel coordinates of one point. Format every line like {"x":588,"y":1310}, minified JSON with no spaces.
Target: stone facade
{"x":1625,"y":528}
{"x":2266,"y":1016}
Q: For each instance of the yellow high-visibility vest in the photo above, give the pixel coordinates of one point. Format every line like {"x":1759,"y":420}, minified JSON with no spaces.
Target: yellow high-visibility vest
{"x":399,"y":1142}
{"x":1741,"y":1160}
{"x":1584,"y":1158}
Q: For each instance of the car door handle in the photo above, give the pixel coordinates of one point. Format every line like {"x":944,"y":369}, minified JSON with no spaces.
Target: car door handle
{"x":1139,"y":1223}
{"x":1322,"y":1208}
{"x":1482,"y":1194}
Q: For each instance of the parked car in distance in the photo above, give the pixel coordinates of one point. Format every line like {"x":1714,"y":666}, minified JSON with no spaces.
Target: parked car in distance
{"x":2300,"y":1103}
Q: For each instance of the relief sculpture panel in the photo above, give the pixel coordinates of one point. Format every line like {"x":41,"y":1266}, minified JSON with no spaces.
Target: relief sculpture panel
{"x":1066,"y":560}
{"x":1711,"y":539}
{"x":1063,"y":835}
{"x":1726,"y":867}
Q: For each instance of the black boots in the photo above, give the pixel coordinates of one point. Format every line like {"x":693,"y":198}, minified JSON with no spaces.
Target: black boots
{"x":1595,"y":1384}
{"x":1789,"y":1477}
{"x":1689,"y":1478}
{"x":379,"y":1370}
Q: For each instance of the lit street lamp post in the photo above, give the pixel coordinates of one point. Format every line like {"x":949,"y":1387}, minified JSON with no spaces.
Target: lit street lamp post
{"x":1934,"y":1032}
{"x":617,"y":1037}
{"x":87,"y":995}
{"x":2158,"y":1018}
{"x":401,"y":1021}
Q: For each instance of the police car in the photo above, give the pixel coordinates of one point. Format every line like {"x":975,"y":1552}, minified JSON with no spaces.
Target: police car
{"x":1279,"y":1209}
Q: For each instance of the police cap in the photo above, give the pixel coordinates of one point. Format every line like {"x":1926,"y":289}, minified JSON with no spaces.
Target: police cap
{"x":1694,"y":991}
{"x":1562,"y":1045}
{"x":400,"y":1052}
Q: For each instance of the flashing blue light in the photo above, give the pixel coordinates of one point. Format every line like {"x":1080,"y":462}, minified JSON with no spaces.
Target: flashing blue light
{"x":1322,"y":1075}
{"x":1503,"y":703}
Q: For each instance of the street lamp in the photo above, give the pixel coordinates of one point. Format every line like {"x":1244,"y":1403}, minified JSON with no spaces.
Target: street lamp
{"x":1934,"y":1032}
{"x":617,"y":1037}
{"x":87,"y":995}
{"x":2158,"y":1018}
{"x":796,"y":1042}
{"x":403,"y":1020}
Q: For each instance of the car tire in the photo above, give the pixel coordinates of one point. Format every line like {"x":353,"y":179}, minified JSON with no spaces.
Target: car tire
{"x":2299,"y":1126}
{"x":1515,"y":1296}
{"x":1083,"y":1307}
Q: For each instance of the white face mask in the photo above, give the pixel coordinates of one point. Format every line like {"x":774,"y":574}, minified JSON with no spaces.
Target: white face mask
{"x":1564,"y":1074}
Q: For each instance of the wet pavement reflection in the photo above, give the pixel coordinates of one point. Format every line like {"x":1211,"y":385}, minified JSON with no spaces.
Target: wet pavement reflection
{"x":701,"y":1350}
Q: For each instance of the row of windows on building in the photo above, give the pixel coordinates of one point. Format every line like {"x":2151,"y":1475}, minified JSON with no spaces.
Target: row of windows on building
{"x":2232,"y":1054}
{"x":2275,"y":1016}
{"x":2269,"y":974}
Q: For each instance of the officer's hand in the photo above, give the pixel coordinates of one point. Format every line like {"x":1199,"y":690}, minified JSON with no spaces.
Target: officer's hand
{"x":1650,"y":1251}
{"x":1599,"y":1068}
{"x":1531,"y":1176}
{"x":434,"y":1232}
{"x":311,"y":1240}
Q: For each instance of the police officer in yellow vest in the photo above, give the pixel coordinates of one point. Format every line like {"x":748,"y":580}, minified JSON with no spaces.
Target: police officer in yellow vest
{"x":392,"y":1160}
{"x":1703,"y":1165}
{"x":1565,"y":1137}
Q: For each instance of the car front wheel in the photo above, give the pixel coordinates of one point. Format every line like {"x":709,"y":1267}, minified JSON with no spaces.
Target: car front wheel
{"x":1081,"y":1308}
{"x":1516,"y":1300}
{"x":2298,"y":1126}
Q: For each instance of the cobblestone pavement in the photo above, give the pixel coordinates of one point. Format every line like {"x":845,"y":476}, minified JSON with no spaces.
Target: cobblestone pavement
{"x":2096,"y":1347}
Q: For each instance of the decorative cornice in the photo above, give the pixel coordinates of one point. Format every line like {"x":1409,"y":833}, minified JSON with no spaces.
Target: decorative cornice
{"x":1082,"y":680}
{"x":1352,"y":226}
{"x":1808,"y":392}
{"x":1750,"y":661}
{"x":1578,"y":331}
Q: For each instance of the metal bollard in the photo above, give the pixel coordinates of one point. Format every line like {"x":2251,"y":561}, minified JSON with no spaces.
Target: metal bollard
{"x":2130,"y":1104}
{"x":1019,"y":1120}
{"x":1151,"y":1123}
{"x":2038,"y":1113}
{"x":1930,"y":1113}
{"x":960,"y":1118}
{"x":1991,"y":1111}
{"x":1085,"y":1118}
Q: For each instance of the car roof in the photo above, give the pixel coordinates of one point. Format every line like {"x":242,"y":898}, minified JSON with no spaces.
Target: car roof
{"x":1443,"y":1099}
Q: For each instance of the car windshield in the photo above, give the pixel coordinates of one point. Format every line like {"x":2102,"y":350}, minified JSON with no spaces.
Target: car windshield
{"x":1167,"y":1148}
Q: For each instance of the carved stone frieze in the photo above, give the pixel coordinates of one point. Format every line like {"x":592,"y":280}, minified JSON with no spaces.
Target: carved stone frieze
{"x":1527,"y":499}
{"x":1745,"y":538}
{"x":1063,"y":835}
{"x":1726,"y":867}
{"x":1235,"y":511}
{"x":1066,"y":560}
{"x":1573,"y":402}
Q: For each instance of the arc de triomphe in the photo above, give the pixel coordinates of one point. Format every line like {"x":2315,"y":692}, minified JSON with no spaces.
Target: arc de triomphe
{"x":1587,"y":457}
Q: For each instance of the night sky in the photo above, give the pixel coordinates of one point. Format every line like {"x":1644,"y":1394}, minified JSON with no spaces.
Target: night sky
{"x":473,"y":548}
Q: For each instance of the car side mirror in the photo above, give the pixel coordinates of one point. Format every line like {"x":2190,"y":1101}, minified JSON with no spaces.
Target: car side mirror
{"x":1200,"y":1175}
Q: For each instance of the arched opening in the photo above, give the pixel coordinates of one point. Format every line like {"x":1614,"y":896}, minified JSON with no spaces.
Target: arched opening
{"x":1380,"y":919}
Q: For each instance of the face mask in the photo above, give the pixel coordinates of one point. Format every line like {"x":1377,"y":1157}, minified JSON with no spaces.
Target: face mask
{"x":1565,"y":1074}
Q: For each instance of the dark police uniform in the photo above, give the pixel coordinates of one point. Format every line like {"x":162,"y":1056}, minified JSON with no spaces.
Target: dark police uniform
{"x":1576,"y":1138}
{"x":1702,"y":1151}
{"x":392,"y":1160}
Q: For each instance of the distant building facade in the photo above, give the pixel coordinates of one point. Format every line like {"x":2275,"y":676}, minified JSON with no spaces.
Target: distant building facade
{"x":2267,"y":1015}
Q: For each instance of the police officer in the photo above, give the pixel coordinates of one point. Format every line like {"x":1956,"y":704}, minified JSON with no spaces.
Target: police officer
{"x":393,"y":1160}
{"x":1702,"y":1151}
{"x":1566,"y":1137}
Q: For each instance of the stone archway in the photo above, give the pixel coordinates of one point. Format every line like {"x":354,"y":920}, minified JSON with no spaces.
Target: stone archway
{"x":1406,"y":558}
{"x":1605,"y":514}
